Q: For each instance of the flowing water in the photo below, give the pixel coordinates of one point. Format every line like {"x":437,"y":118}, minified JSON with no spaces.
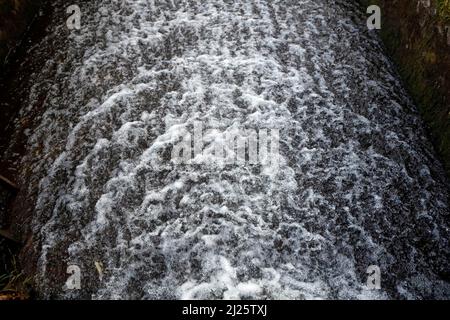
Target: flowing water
{"x":357,"y":185}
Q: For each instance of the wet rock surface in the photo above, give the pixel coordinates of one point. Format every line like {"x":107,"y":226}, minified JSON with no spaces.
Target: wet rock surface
{"x":358,"y":182}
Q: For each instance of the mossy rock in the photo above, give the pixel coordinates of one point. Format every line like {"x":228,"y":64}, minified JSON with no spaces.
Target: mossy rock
{"x":417,"y":42}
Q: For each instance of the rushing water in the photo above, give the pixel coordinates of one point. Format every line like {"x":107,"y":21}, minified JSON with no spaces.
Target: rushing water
{"x":357,"y":185}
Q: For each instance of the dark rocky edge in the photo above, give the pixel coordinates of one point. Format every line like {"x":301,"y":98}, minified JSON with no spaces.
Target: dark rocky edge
{"x":15,"y":17}
{"x":417,"y":37}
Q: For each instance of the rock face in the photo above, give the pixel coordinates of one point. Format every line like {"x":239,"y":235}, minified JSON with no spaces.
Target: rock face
{"x":15,"y":17}
{"x":358,"y":182}
{"x":417,"y":35}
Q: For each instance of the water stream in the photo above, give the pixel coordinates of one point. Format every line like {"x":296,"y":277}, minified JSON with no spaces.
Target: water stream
{"x":358,"y":183}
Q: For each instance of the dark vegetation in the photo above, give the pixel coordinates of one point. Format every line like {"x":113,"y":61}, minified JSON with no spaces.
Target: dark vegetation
{"x":418,"y":40}
{"x":15,"y":17}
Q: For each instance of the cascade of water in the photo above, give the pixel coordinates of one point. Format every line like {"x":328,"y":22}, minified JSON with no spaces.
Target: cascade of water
{"x":356,"y":185}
